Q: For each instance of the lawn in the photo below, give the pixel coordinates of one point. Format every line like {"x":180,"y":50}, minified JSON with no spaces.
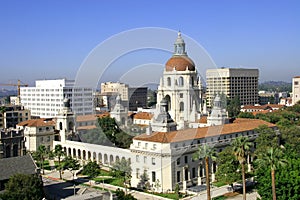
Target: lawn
{"x":113,"y":181}
{"x":219,"y":184}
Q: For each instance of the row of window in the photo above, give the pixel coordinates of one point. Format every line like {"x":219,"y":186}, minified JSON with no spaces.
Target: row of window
{"x":146,"y":146}
{"x":137,"y":159}
{"x":214,"y":139}
{"x":153,"y":174}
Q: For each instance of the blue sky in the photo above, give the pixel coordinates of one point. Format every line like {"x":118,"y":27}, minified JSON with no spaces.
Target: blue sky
{"x":51,"y":39}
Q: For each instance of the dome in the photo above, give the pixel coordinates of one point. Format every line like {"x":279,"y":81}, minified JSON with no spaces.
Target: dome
{"x":180,"y":63}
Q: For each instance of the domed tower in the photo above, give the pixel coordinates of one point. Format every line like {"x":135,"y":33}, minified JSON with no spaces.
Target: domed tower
{"x":181,"y":86}
{"x":65,"y":121}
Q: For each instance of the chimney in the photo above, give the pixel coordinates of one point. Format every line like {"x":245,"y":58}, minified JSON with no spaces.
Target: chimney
{"x":149,"y":129}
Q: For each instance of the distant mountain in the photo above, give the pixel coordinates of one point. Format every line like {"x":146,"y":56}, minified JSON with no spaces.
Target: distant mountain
{"x":275,"y":86}
{"x":5,"y":92}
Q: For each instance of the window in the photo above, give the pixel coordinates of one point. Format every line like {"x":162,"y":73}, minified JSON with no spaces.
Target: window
{"x":153,"y":176}
{"x":193,"y":172}
{"x":145,"y":159}
{"x":139,"y":144}
{"x":181,"y":95}
{"x":169,"y":81}
{"x":180,"y":81}
{"x":178,"y":176}
{"x":178,"y":161}
{"x":185,"y":159}
{"x":296,"y":83}
{"x":146,"y":145}
{"x":181,"y":107}
{"x":154,"y":146}
{"x":137,"y":173}
{"x":137,"y":158}
{"x":153,"y":161}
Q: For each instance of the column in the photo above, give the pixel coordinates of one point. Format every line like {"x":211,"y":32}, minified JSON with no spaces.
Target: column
{"x":199,"y":177}
{"x":183,"y":178}
{"x":212,"y":172}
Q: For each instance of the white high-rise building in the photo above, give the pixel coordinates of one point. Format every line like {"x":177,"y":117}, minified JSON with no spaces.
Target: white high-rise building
{"x":232,"y":82}
{"x":296,"y":90}
{"x":45,"y":100}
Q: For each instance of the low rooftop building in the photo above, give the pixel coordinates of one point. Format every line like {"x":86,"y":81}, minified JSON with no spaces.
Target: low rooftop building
{"x":16,"y":165}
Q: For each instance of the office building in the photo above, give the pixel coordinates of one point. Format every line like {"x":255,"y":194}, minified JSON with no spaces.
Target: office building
{"x":11,"y":115}
{"x":137,"y":98}
{"x":45,"y":100}
{"x":233,"y":82}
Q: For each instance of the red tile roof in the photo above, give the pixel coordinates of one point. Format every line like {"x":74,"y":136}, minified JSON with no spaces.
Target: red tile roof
{"x":143,"y":115}
{"x":92,"y":117}
{"x":38,"y":122}
{"x":239,"y":125}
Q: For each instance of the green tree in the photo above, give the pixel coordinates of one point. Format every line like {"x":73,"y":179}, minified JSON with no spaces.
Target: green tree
{"x":70,"y":164}
{"x":246,"y":115}
{"x":121,"y":195}
{"x":157,"y":184}
{"x":40,"y":155}
{"x":290,"y":136}
{"x":227,"y":167}
{"x":92,"y":169}
{"x":122,"y":168}
{"x":287,"y":178}
{"x":112,"y":131}
{"x":205,"y":152}
{"x":267,"y":138}
{"x":59,"y":153}
{"x":234,"y":106}
{"x":23,"y":187}
{"x":177,"y":188}
{"x":272,"y":158}
{"x":144,"y":182}
{"x":241,"y":147}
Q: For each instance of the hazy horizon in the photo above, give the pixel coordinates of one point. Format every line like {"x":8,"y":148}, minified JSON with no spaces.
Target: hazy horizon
{"x":51,"y":39}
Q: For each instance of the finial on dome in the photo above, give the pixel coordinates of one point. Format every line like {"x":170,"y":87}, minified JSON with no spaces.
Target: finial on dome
{"x":179,"y":33}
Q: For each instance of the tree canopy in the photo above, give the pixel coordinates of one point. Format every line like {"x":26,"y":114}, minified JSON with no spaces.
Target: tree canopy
{"x":23,"y":187}
{"x":234,"y":106}
{"x":107,"y":133}
{"x":92,"y":169}
{"x":227,"y":167}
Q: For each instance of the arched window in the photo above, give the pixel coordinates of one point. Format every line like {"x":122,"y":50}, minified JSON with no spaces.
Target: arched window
{"x":180,"y":81}
{"x":169,"y":81}
{"x":192,"y":81}
{"x":168,"y":98}
{"x":60,"y":126}
{"x":181,"y":106}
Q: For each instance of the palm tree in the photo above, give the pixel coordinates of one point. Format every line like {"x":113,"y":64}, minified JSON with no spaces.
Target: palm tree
{"x":58,"y":152}
{"x":241,"y":147}
{"x":272,"y":158}
{"x":205,"y":152}
{"x":41,"y":155}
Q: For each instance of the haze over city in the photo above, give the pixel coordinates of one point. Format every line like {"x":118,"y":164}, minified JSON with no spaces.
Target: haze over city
{"x":51,"y":39}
